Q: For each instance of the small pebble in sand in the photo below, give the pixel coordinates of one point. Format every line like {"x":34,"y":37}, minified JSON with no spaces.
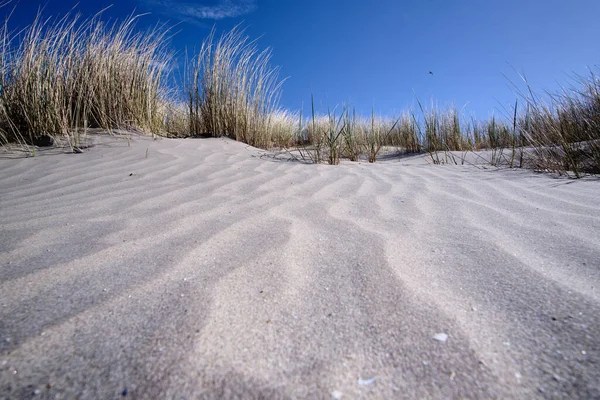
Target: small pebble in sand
{"x":440,"y":337}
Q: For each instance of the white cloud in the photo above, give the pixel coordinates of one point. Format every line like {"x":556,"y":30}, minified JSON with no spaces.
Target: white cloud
{"x":223,"y":9}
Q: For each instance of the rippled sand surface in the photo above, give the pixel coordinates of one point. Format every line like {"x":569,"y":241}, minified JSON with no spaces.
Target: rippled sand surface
{"x":209,"y":269}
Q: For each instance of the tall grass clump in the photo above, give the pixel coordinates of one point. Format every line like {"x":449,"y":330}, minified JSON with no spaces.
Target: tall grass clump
{"x":443,"y":130}
{"x":232,"y":90}
{"x":565,"y":131}
{"x":284,"y":128}
{"x":58,"y":76}
{"x":406,"y":134}
{"x":351,"y":134}
{"x":175,"y":118}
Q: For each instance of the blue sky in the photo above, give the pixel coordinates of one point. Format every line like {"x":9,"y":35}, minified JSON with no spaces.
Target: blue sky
{"x":380,"y":52}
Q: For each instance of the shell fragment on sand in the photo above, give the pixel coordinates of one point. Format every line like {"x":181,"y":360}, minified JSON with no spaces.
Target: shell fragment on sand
{"x":440,"y":337}
{"x":365,"y":382}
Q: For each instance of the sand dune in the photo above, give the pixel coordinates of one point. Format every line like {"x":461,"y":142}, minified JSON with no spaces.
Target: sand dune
{"x":210,"y":269}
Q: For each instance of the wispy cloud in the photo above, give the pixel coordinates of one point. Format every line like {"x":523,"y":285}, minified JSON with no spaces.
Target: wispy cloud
{"x":198,"y":12}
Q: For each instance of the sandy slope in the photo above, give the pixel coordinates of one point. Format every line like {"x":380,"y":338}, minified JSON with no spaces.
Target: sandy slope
{"x":197,"y":268}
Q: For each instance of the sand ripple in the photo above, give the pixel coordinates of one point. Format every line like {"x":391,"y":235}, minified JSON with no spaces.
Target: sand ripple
{"x":205,"y":268}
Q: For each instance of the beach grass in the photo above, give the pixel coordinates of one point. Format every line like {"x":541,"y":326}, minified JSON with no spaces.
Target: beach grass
{"x":61,"y":76}
{"x":233,"y":91}
{"x":564,"y":131}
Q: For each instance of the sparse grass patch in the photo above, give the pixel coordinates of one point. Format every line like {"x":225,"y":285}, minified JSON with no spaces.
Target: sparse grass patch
{"x":565,"y":132}
{"x":59,"y":77}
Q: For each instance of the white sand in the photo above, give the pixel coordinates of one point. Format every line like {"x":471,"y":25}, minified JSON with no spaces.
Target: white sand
{"x":204,"y":268}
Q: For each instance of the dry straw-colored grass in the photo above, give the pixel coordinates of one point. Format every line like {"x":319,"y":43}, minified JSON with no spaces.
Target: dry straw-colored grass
{"x":58,"y":76}
{"x":565,"y":131}
{"x":61,"y":76}
{"x":233,"y":91}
